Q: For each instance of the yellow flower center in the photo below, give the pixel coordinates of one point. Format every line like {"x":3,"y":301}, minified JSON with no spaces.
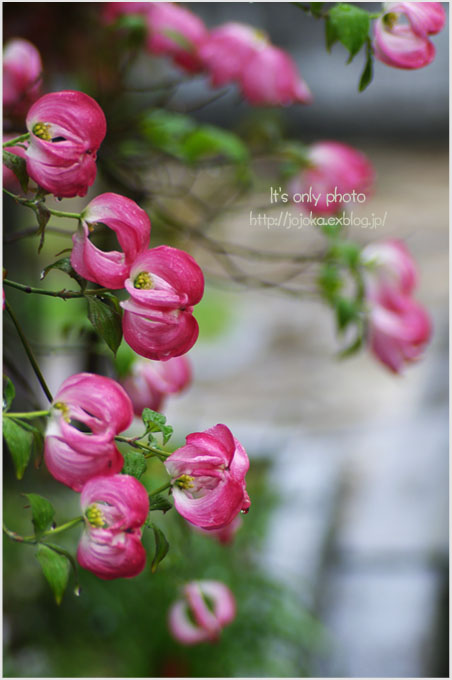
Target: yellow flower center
{"x":95,"y":517}
{"x":390,"y":19}
{"x":64,"y":408}
{"x":143,"y":281}
{"x":42,"y":130}
{"x":185,"y":482}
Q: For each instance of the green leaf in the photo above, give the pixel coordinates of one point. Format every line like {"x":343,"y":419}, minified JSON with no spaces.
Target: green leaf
{"x":354,"y":347}
{"x":346,"y":312}
{"x":9,"y":392}
{"x":159,"y":502}
{"x":104,"y":313}
{"x":42,"y":512}
{"x":64,"y":265}
{"x":18,"y":166}
{"x":166,"y":130}
{"x":134,"y":464}
{"x":55,"y":568}
{"x":19,"y":443}
{"x":161,"y":548}
{"x":209,"y":141}
{"x":347,"y":252}
{"x":43,"y":216}
{"x":368,"y":72}
{"x":316,"y":9}
{"x":330,"y":281}
{"x":156,"y":422}
{"x":350,"y":25}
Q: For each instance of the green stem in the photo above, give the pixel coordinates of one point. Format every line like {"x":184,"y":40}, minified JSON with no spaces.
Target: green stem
{"x":50,"y":532}
{"x":153,"y":451}
{"x":30,"y":414}
{"x":64,"y":294}
{"x":33,"y":205}
{"x":29,"y":352}
{"x":161,"y":488}
{"x":17,"y":140}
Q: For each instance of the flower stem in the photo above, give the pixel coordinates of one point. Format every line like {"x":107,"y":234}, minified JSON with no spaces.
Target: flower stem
{"x":29,"y":352}
{"x":17,"y":140}
{"x":63,"y":294}
{"x":30,"y":414}
{"x":161,"y":488}
{"x":64,"y":527}
{"x":33,"y":539}
{"x":33,"y":205}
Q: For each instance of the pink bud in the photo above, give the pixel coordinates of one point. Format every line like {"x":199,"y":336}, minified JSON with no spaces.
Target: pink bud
{"x":22,"y":69}
{"x":151,"y":381}
{"x":270,"y":78}
{"x":88,"y":412}
{"x":10,"y":180}
{"x":406,"y":45}
{"x":213,"y":465}
{"x":175,"y":32}
{"x":164,"y":284}
{"x":399,"y":329}
{"x":228,"y":49}
{"x":335,"y":171}
{"x":132,"y":228}
{"x":211,"y":605}
{"x":115,"y":508}
{"x":66,"y":130}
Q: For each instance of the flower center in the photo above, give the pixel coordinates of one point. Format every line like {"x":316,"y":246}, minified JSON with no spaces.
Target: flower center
{"x":185,"y":482}
{"x":42,"y":130}
{"x":390,"y":19}
{"x":143,"y":281}
{"x":64,"y":408}
{"x":95,"y":517}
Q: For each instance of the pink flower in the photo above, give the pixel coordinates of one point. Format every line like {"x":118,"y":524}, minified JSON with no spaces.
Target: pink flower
{"x":270,"y":78}
{"x":22,"y":69}
{"x":151,"y":381}
{"x":336,"y":175}
{"x":406,"y":45}
{"x":164,"y":284}
{"x":227,"y":50}
{"x":390,"y":265}
{"x":88,"y":411}
{"x":10,"y":180}
{"x":112,"y":10}
{"x":115,"y":508}
{"x":207,"y":607}
{"x":209,"y":478}
{"x":399,"y":329}
{"x":175,"y":32}
{"x":132,"y":228}
{"x":66,"y":130}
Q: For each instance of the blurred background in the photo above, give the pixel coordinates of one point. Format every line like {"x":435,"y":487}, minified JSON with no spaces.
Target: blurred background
{"x":341,"y":567}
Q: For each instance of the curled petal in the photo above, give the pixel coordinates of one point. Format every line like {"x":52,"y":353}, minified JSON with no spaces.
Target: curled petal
{"x":158,"y":334}
{"x":393,"y":265}
{"x":151,"y":381}
{"x":426,"y":18}
{"x":223,"y":601}
{"x":112,"y":555}
{"x":182,"y":628}
{"x":401,"y":47}
{"x":214,"y":510}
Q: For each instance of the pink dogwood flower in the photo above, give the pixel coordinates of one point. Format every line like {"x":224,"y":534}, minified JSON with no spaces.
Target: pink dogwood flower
{"x":270,"y":78}
{"x":151,"y":381}
{"x":132,"y":228}
{"x":228,"y":49}
{"x":164,"y":284}
{"x":334,"y":172}
{"x":22,"y":68}
{"x":401,"y":34}
{"x":115,"y":508}
{"x":66,"y":130}
{"x":399,"y":329}
{"x":88,"y":411}
{"x":209,"y":478}
{"x":390,"y":265}
{"x":10,"y":180}
{"x":175,"y":32}
{"x":207,"y":607}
